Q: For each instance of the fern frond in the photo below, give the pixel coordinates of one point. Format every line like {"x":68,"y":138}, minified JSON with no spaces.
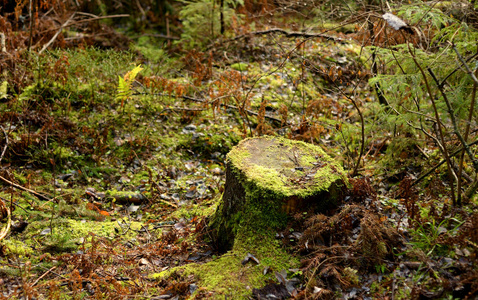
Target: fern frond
{"x":124,"y":84}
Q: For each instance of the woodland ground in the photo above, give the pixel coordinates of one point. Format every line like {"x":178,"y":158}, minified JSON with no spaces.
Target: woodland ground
{"x":111,"y":181}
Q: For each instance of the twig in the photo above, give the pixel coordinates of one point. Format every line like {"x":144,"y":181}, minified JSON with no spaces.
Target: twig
{"x":362,"y":146}
{"x":14,"y":203}
{"x":237,"y":108}
{"x":222,"y":104}
{"x":6,"y":143}
{"x":57,"y":197}
{"x":4,"y":208}
{"x":438,"y":120}
{"x":457,"y":68}
{"x":36,"y":194}
{"x":51,"y":271}
{"x":99,"y":18}
{"x":57,"y":33}
{"x":467,"y":68}
{"x":95,"y":18}
{"x":362,"y":123}
{"x":167,"y":37}
{"x":168,"y":203}
{"x":287,"y":34}
{"x":32,"y":22}
{"x":44,"y":274}
{"x":181,"y":109}
{"x":451,"y":112}
{"x":441,"y":163}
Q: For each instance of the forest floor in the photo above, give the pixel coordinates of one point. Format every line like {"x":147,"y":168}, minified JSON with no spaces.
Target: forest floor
{"x":111,"y":185}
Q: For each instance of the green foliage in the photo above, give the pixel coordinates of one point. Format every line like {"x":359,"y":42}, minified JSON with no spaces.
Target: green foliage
{"x":202,"y":23}
{"x":403,"y":84}
{"x":124,"y":84}
{"x":426,"y":237}
{"x":416,"y":14}
{"x":59,"y":242}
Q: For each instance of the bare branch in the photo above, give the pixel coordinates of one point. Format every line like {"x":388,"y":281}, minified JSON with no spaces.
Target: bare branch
{"x":56,"y":34}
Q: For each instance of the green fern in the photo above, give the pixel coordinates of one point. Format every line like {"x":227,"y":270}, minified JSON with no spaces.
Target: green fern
{"x":124,"y":84}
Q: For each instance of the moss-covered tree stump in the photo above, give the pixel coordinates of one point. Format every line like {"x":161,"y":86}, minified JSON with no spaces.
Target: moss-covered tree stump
{"x":267,"y":179}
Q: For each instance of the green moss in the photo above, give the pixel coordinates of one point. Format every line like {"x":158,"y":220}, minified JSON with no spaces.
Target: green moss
{"x":228,"y":277}
{"x":17,"y":248}
{"x":292,"y":159}
{"x":250,"y":229}
{"x":240,"y":66}
{"x":81,"y":229}
{"x":204,"y":209}
{"x":21,"y":179}
{"x":66,"y":234}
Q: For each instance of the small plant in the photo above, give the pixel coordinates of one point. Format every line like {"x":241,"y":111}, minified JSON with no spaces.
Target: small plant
{"x":427,"y":236}
{"x":204,"y":20}
{"x":124,"y":85}
{"x":429,"y":90}
{"x":59,"y":242}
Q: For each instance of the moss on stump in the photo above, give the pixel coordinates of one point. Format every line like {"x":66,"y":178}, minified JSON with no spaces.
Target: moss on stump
{"x":269,"y":179}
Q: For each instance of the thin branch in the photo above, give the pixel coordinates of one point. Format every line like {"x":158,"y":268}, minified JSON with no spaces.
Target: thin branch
{"x":441,"y":163}
{"x":57,"y":33}
{"x":437,"y":117}
{"x":6,"y":143}
{"x":44,"y":274}
{"x":89,"y":20}
{"x":167,"y":37}
{"x":32,"y":22}
{"x":451,"y":112}
{"x":467,"y":68}
{"x":14,"y":203}
{"x":36,"y":194}
{"x":181,"y":109}
{"x":457,"y":68}
{"x":287,"y":34}
{"x":362,"y":146}
{"x":250,"y":112}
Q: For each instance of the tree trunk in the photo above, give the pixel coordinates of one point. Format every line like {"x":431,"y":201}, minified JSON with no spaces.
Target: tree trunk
{"x":269,"y":179}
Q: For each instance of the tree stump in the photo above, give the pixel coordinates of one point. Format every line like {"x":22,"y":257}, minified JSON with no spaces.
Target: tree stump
{"x":269,"y":179}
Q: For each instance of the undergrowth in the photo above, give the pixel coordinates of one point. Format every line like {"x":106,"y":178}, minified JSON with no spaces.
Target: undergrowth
{"x":110,"y":180}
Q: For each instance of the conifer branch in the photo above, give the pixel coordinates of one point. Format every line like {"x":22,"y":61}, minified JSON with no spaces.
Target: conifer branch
{"x":451,"y":112}
{"x":439,"y":125}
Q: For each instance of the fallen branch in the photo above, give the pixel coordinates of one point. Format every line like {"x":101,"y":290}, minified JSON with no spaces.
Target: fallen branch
{"x":57,"y":33}
{"x":44,"y":274}
{"x":162,"y":36}
{"x":204,"y":101}
{"x":287,"y":34}
{"x":235,"y":108}
{"x":36,"y":194}
{"x":99,"y":18}
{"x":181,"y":109}
{"x":94,"y":18}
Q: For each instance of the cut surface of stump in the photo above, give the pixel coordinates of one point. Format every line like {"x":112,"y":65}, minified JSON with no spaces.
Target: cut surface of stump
{"x":269,"y":178}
